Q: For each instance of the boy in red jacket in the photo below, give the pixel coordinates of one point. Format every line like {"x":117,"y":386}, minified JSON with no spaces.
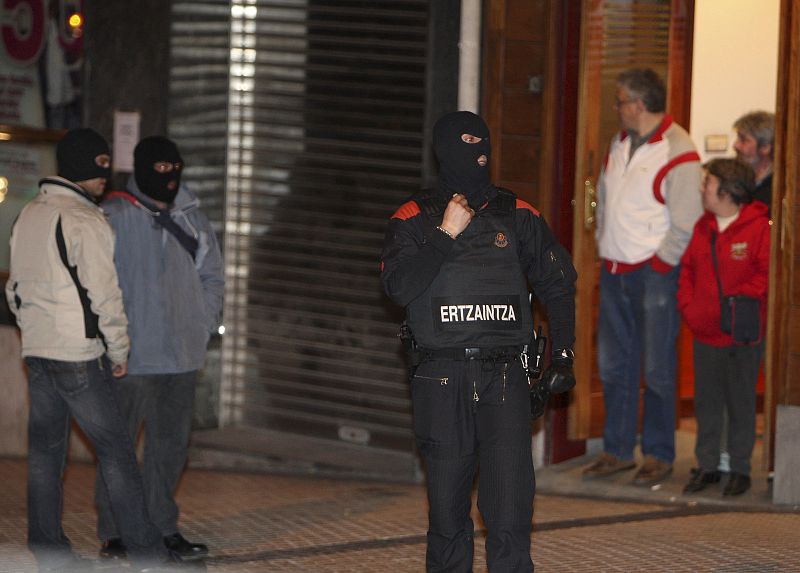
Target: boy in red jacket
{"x":725,"y":373}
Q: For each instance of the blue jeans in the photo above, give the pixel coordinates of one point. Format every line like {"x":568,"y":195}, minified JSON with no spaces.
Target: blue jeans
{"x":637,"y":331}
{"x":57,"y":391}
{"x":164,"y":403}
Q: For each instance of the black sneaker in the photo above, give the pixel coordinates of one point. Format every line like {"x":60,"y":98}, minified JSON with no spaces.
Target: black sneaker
{"x":113,"y":549}
{"x":184,"y":550}
{"x":737,"y":484}
{"x":700,"y":479}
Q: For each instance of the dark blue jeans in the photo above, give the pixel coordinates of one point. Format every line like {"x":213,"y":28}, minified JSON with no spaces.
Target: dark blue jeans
{"x":164,"y":403}
{"x":83,"y":390}
{"x":636,"y":335}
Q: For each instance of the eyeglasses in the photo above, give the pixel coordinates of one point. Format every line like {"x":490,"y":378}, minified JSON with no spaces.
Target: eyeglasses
{"x":618,"y":103}
{"x":166,"y":166}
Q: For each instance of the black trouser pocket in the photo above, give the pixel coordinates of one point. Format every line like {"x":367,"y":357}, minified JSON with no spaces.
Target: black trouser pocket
{"x":434,"y":400}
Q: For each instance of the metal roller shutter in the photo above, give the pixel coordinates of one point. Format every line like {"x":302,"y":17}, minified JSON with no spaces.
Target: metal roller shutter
{"x":324,"y":128}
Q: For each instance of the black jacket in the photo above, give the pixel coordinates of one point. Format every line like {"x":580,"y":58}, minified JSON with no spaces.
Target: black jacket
{"x":415,"y":252}
{"x":763,"y":193}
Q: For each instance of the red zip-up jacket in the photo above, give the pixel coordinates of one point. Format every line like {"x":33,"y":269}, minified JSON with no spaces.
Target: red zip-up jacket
{"x":743,"y":260}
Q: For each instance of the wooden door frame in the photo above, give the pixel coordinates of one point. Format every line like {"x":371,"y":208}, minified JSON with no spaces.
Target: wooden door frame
{"x":783,"y":315}
{"x":494,"y":16}
{"x":583,"y":255}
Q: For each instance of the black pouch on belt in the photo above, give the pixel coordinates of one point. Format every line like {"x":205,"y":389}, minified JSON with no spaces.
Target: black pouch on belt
{"x":539,"y":392}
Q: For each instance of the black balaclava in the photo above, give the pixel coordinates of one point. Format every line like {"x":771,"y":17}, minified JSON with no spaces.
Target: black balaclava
{"x":76,"y":155}
{"x":160,"y":186}
{"x":459,"y":171}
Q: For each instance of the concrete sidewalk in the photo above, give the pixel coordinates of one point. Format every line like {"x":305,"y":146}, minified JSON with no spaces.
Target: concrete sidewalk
{"x":282,"y":523}
{"x":566,"y":479}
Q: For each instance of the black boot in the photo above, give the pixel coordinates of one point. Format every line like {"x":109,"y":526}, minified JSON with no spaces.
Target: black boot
{"x":700,"y":479}
{"x":737,"y":484}
{"x":184,"y":550}
{"x":113,"y":549}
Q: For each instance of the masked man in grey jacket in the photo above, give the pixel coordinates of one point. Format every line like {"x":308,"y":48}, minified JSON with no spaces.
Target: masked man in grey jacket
{"x":171,"y":275}
{"x":63,"y":290}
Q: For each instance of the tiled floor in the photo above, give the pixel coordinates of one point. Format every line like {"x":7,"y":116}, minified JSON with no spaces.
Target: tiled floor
{"x":269,"y":523}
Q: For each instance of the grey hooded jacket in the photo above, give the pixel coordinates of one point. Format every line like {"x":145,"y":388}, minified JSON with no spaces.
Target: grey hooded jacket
{"x":173,"y":302}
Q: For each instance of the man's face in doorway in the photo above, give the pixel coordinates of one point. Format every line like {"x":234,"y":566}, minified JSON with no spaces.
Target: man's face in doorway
{"x":747,"y":148}
{"x":628,"y":108}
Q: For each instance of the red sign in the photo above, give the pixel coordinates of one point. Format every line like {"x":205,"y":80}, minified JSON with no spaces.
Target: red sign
{"x":23,"y":30}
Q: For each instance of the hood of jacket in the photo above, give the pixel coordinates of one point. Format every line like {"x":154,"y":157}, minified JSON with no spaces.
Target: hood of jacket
{"x":748,"y":212}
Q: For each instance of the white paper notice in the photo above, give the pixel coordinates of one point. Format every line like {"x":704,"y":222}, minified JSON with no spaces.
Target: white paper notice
{"x":126,"y":136}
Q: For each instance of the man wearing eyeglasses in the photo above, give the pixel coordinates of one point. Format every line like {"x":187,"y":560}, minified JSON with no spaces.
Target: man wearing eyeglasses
{"x":171,"y":276}
{"x":647,"y":207}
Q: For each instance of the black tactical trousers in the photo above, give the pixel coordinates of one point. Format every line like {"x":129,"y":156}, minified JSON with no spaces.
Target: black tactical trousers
{"x":471,"y":415}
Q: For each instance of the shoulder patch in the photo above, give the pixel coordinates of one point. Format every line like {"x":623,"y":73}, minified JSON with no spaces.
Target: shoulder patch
{"x":525,"y":205}
{"x":406,"y":211}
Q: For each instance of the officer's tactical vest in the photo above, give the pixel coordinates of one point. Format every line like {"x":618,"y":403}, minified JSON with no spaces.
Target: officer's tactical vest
{"x":480,"y":296}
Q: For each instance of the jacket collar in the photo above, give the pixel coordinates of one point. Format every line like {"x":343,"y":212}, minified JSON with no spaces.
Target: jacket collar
{"x":55,"y":183}
{"x":657,"y":135}
{"x":748,"y":212}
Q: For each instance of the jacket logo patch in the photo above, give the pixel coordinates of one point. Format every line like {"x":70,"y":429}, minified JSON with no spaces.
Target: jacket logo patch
{"x":500,"y":240}
{"x":739,"y":251}
{"x":477,"y":313}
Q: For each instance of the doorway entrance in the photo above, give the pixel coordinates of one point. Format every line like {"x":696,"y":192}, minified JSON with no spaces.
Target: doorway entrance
{"x":586,"y":44}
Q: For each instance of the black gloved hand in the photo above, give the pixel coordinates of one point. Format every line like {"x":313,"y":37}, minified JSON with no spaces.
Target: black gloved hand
{"x":540,"y":394}
{"x":559,"y":377}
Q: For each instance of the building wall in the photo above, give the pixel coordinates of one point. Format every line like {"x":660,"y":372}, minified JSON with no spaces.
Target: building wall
{"x":14,"y":405}
{"x":735,"y":66}
{"x":127,"y":64}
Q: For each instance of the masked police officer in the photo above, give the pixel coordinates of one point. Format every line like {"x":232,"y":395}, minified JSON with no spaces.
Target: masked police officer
{"x":461,"y":258}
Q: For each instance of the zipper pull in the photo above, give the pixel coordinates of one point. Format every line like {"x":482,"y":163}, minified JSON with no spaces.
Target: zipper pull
{"x":505,"y":368}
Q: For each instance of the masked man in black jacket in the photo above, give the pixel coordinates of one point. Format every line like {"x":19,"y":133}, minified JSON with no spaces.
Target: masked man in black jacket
{"x":462,"y":259}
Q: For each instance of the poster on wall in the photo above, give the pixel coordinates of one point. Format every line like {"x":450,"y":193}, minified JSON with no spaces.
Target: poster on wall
{"x":41,"y":63}
{"x":41,"y":85}
{"x":21,"y":167}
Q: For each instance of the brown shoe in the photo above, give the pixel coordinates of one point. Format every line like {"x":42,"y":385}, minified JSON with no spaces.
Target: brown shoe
{"x":605,"y":465}
{"x":652,"y":471}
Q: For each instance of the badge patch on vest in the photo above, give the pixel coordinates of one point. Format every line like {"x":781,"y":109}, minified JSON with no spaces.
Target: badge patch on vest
{"x":500,"y":240}
{"x":477,"y":313}
{"x":739,"y":251}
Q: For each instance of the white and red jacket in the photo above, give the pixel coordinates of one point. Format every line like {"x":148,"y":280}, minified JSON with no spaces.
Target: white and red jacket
{"x":648,"y":202}
{"x":743,"y":259}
